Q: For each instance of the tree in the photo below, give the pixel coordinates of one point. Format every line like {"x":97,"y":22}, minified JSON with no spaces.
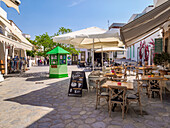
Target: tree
{"x":44,"y":43}
{"x":31,"y":53}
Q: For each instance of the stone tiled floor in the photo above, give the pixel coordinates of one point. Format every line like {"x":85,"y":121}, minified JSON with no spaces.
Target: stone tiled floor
{"x":47,"y":105}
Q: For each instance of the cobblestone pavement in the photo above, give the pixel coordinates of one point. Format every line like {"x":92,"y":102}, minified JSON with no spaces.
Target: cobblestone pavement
{"x":35,"y":101}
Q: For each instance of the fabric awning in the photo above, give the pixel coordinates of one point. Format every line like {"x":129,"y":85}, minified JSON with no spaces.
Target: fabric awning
{"x":23,"y":40}
{"x":145,"y":24}
{"x":11,"y":4}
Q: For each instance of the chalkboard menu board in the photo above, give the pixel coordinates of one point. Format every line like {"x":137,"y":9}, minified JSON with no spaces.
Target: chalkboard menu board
{"x":158,"y":45}
{"x":77,"y":83}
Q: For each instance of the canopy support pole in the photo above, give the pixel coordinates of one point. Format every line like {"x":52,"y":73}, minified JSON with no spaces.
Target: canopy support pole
{"x":112,"y":56}
{"x":102,"y":56}
{"x":93,"y":54}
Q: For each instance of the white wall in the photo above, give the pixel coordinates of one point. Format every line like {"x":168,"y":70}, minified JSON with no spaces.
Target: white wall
{"x":16,"y":28}
{"x":147,"y":40}
{"x":3,"y":13}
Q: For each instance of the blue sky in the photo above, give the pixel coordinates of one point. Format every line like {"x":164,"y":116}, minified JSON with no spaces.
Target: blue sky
{"x":40,"y":16}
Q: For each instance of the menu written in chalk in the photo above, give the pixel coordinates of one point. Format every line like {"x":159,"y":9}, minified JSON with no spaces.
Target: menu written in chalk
{"x":77,"y":83}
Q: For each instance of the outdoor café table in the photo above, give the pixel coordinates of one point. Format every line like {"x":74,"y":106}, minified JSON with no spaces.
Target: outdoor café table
{"x":119,"y":75}
{"x":146,"y":78}
{"x":129,"y":85}
{"x":118,"y":69}
{"x":145,"y":69}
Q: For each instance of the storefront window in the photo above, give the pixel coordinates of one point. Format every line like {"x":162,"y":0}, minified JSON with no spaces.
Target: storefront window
{"x":83,"y":56}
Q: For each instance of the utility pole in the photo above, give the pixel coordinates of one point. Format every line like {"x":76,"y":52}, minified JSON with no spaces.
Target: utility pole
{"x":108,"y":24}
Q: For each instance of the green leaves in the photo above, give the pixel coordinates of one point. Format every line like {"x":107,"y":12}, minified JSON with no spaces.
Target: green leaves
{"x":44,"y":43}
{"x":160,"y":59}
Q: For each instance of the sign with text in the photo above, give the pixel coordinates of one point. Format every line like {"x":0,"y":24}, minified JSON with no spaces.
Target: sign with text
{"x":77,"y":83}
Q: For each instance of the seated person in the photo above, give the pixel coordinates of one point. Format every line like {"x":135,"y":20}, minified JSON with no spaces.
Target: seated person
{"x":113,"y":63}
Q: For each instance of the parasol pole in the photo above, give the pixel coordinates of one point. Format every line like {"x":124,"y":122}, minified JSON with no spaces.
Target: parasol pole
{"x":102,"y":55}
{"x":93,"y":54}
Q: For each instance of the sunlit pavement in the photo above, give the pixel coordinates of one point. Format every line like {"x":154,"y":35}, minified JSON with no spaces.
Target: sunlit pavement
{"x":35,"y":101}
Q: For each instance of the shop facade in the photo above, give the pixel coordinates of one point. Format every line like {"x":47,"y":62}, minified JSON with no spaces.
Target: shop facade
{"x":13,"y":45}
{"x":152,"y":28}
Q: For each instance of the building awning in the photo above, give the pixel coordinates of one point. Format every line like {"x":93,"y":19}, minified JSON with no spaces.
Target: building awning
{"x":11,"y":4}
{"x":148,"y":23}
{"x":23,"y":40}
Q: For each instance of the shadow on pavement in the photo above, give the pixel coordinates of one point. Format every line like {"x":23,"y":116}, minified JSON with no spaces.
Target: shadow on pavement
{"x":55,"y":96}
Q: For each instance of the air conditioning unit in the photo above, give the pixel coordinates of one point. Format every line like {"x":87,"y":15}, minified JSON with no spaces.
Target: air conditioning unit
{"x":17,"y":2}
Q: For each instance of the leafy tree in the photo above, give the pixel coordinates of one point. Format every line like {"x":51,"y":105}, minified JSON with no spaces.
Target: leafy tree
{"x":45,"y":41}
{"x":161,"y":59}
{"x":31,"y":53}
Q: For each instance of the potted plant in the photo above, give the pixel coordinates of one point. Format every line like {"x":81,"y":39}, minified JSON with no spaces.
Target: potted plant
{"x":161,"y":59}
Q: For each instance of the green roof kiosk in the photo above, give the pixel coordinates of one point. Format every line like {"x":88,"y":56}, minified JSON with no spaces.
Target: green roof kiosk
{"x":58,"y":63}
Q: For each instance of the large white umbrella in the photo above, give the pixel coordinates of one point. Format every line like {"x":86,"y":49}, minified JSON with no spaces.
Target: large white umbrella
{"x":110,"y":49}
{"x":90,"y":38}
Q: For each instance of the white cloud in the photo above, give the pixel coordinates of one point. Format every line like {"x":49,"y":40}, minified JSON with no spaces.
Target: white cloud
{"x":76,"y":2}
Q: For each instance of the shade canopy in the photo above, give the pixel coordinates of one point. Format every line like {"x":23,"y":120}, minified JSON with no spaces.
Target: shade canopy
{"x":144,"y":25}
{"x":92,"y":37}
{"x":89,"y":36}
{"x":110,"y":49}
{"x":9,"y":4}
{"x":58,"y":50}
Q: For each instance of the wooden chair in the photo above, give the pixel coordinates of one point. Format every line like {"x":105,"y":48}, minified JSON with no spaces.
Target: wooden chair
{"x":117,"y":97}
{"x":141,"y":85}
{"x":135,"y":98}
{"x":155,"y":87}
{"x":125,"y":72}
{"x":100,"y":93}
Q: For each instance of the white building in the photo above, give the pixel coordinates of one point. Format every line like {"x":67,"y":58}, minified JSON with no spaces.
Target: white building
{"x":133,"y":50}
{"x":116,"y":27}
{"x":12,"y":43}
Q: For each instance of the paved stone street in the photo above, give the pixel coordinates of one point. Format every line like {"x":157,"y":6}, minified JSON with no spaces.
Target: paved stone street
{"x":35,"y":101}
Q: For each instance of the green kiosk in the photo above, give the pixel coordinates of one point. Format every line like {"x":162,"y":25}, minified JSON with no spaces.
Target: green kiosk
{"x":58,"y":63}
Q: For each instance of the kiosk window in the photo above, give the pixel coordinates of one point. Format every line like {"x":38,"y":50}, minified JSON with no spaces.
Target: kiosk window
{"x":53,"y":59}
{"x":62,"y":59}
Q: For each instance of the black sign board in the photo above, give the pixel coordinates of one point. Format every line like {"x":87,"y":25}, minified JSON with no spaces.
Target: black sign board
{"x":77,"y":83}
